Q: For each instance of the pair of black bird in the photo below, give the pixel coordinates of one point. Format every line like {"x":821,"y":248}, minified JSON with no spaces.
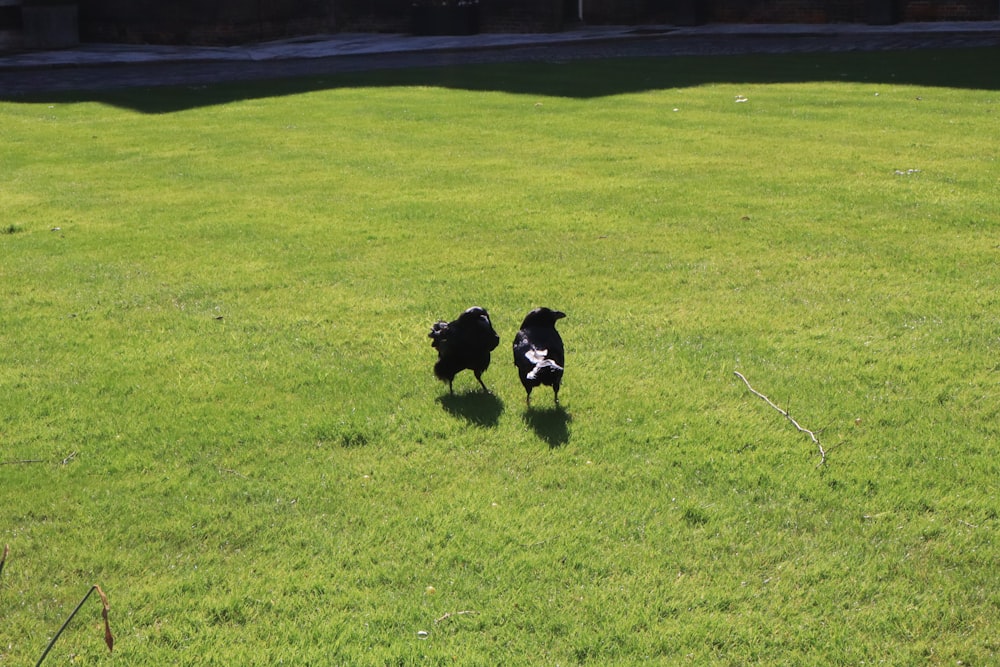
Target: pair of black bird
{"x":466,"y":343}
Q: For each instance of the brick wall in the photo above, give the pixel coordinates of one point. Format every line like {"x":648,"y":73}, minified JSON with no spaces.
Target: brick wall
{"x":949,"y":10}
{"x":202,"y":21}
{"x":618,"y":11}
{"x":522,"y":15}
{"x":495,"y":15}
{"x":597,"y":12}
{"x":846,"y":11}
{"x":785,"y":11}
{"x":235,"y":21}
{"x":374,"y":15}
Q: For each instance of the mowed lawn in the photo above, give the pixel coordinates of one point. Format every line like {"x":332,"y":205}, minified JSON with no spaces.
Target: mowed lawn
{"x":217,"y":402}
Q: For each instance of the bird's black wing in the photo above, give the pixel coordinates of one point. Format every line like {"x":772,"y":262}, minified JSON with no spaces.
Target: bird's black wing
{"x":544,"y":340}
{"x":523,"y":353}
{"x":486,"y":337}
{"x":554,"y":345}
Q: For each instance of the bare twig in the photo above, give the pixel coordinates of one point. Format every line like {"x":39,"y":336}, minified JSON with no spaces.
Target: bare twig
{"x":784,"y":413}
{"x":830,"y":448}
{"x":108,"y":638}
{"x":18,"y":462}
{"x":453,"y":613}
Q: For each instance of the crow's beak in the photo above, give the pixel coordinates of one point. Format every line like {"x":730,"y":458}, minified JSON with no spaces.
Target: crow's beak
{"x":559,"y":314}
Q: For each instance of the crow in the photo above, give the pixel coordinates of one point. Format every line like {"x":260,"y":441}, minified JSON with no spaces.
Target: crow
{"x":538,"y":351}
{"x":464,"y":343}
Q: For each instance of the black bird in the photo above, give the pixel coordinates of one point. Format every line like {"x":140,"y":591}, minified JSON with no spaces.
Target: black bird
{"x":538,"y":351}
{"x":464,"y":343}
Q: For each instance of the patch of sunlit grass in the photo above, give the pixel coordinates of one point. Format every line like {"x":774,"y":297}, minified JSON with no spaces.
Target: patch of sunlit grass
{"x":218,"y":399}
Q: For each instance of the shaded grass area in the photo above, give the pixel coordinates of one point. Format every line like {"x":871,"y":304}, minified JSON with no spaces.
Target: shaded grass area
{"x":214,"y":337}
{"x":947,"y":68}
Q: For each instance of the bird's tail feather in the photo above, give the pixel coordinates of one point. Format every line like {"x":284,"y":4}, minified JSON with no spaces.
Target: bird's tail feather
{"x":438,"y":333}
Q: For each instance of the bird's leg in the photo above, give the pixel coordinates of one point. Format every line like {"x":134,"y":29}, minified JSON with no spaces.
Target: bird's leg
{"x":482,"y":384}
{"x":451,"y":390}
{"x":556,"y":390}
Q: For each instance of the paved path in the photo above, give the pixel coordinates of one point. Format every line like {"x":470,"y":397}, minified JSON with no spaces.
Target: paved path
{"x":107,"y":66}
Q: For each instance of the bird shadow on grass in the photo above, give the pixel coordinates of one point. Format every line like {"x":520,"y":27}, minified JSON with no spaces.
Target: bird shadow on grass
{"x":476,"y":407}
{"x":549,"y":424}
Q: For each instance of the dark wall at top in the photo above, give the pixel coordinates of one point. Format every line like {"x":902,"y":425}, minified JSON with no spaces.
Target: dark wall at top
{"x":239,"y":21}
{"x":495,"y":15}
{"x":202,"y":21}
{"x":787,"y":11}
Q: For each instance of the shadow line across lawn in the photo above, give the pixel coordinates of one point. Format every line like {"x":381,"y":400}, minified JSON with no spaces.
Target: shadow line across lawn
{"x":187,"y":86}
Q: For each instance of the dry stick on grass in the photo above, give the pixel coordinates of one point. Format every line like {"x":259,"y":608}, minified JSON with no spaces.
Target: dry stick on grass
{"x":453,"y":613}
{"x":108,"y":638}
{"x":784,"y":413}
{"x":24,"y":461}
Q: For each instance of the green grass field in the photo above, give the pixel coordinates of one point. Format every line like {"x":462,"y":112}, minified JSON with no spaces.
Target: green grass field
{"x":218,"y":403}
